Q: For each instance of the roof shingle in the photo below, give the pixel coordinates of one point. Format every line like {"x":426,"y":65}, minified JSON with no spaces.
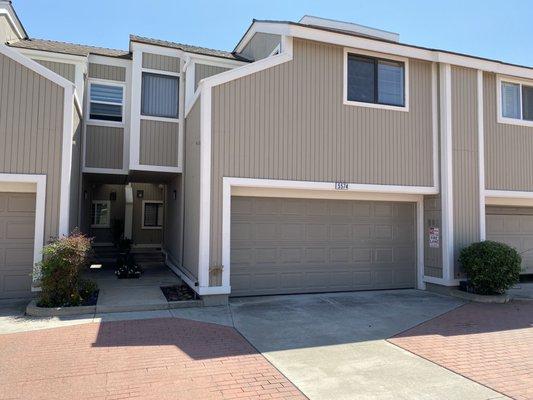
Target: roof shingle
{"x":68,"y":48}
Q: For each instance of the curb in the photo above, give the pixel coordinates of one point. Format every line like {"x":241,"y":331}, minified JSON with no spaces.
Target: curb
{"x":478,"y":298}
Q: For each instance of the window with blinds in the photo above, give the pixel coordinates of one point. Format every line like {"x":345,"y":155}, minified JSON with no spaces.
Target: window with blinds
{"x":160,"y":95}
{"x":373,"y":80}
{"x":106,"y":102}
{"x":516,"y":101}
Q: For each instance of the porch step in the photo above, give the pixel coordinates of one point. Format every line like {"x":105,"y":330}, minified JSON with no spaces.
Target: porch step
{"x":142,"y":256}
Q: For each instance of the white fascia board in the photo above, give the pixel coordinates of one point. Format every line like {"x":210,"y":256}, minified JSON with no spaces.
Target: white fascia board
{"x":52,"y":56}
{"x":363,"y":43}
{"x":35,"y":66}
{"x":215,"y":61}
{"x":13,"y":20}
{"x":154,"y":49}
{"x":114,"y":61}
{"x":512,"y":194}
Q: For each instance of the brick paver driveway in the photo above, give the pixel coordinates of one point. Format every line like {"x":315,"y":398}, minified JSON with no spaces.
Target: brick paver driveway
{"x":166,"y":358}
{"x":488,"y":343}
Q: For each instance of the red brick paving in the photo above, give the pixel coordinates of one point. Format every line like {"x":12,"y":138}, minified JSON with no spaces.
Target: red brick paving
{"x":489,"y":343}
{"x":165,"y":358}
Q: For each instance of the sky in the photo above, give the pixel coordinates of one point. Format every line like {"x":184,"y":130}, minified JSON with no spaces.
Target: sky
{"x":493,"y":29}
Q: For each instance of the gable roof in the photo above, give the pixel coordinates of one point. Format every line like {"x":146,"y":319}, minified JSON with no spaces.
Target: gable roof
{"x":68,"y":48}
{"x":359,"y":35}
{"x":188,"y":48}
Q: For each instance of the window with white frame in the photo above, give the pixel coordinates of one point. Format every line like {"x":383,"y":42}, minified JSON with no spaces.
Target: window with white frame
{"x":375,"y":80}
{"x":159,"y":95}
{"x":100,"y":213}
{"x":516,"y":101}
{"x":106,"y":102}
{"x":152,"y":214}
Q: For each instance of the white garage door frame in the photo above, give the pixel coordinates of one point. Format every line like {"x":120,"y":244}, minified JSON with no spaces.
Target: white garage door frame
{"x":27,"y":183}
{"x":318,"y":190}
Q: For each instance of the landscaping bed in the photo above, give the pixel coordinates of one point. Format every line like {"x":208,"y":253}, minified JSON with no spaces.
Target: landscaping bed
{"x":179,"y":296}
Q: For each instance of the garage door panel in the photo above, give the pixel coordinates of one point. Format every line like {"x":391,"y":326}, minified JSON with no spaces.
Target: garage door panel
{"x":17,"y":229}
{"x":513,"y":226}
{"x":321,"y":245}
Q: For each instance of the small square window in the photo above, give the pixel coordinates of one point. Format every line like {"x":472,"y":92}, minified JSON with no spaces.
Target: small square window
{"x":100,"y":213}
{"x":152,"y":215}
{"x":160,"y":95}
{"x":106,"y":102}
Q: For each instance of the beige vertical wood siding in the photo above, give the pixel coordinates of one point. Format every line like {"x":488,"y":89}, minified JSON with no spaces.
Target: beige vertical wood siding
{"x":110,"y":72}
{"x":104,"y":147}
{"x":75,"y":177}
{"x":465,"y":159}
{"x":7,"y":33}
{"x":159,"y":143}
{"x":202,"y":71}
{"x":152,"y":191}
{"x":289,"y":122}
{"x":31,"y":131}
{"x":67,"y":71}
{"x":260,"y":46}
{"x":508,"y":148}
{"x":432,"y":218}
{"x":192,"y":190}
{"x":160,"y":62}
{"x":172,"y":237}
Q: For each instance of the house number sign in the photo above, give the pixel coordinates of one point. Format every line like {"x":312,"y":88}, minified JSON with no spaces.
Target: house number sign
{"x":341,"y":186}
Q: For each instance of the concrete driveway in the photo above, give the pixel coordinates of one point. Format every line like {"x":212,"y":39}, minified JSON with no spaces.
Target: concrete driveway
{"x":333,"y":346}
{"x":330,"y":346}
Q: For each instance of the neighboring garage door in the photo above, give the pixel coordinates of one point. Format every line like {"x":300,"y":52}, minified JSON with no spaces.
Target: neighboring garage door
{"x":17,"y":223}
{"x":514,"y":226}
{"x":281,"y":246}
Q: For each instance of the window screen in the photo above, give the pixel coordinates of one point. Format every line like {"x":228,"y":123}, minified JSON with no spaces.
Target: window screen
{"x":372,"y":80}
{"x":106,"y":102}
{"x":510,"y":100}
{"x":153,"y":214}
{"x":100,"y":213}
{"x":160,"y":95}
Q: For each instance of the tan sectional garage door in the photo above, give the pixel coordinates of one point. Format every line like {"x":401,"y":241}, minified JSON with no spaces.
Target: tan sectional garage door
{"x":17,"y":224}
{"x":302,"y":246}
{"x":514,"y":226}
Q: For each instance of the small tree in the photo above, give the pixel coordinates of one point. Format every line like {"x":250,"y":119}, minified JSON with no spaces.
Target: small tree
{"x":491,"y":267}
{"x":63,"y":259}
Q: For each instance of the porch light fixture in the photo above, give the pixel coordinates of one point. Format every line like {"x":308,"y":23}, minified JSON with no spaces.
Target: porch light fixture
{"x":140,"y":194}
{"x":113,"y":196}
{"x":174,"y":194}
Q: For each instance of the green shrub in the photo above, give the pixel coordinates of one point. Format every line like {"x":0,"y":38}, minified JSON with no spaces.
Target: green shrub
{"x":63,"y":260}
{"x":491,"y":267}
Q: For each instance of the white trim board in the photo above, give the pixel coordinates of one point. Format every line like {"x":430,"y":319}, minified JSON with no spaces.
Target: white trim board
{"x":303,"y":189}
{"x":205,"y":87}
{"x":38,"y":185}
{"x":365,"y":43}
{"x":481,"y":156}
{"x":35,"y":66}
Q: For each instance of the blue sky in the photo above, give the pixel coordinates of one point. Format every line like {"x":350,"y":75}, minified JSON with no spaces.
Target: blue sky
{"x":493,"y":29}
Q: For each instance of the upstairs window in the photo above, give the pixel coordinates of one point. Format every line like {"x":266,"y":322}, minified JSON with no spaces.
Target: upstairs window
{"x":375,"y":81}
{"x":517,"y":101}
{"x":160,"y":95}
{"x":106,"y":102}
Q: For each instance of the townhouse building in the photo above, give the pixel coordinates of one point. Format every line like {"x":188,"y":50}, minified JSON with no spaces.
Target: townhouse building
{"x":316,"y":156}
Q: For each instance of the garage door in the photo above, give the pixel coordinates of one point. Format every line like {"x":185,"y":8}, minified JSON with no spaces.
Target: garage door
{"x":17,"y":222}
{"x":514,"y":226}
{"x":281,"y":246}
